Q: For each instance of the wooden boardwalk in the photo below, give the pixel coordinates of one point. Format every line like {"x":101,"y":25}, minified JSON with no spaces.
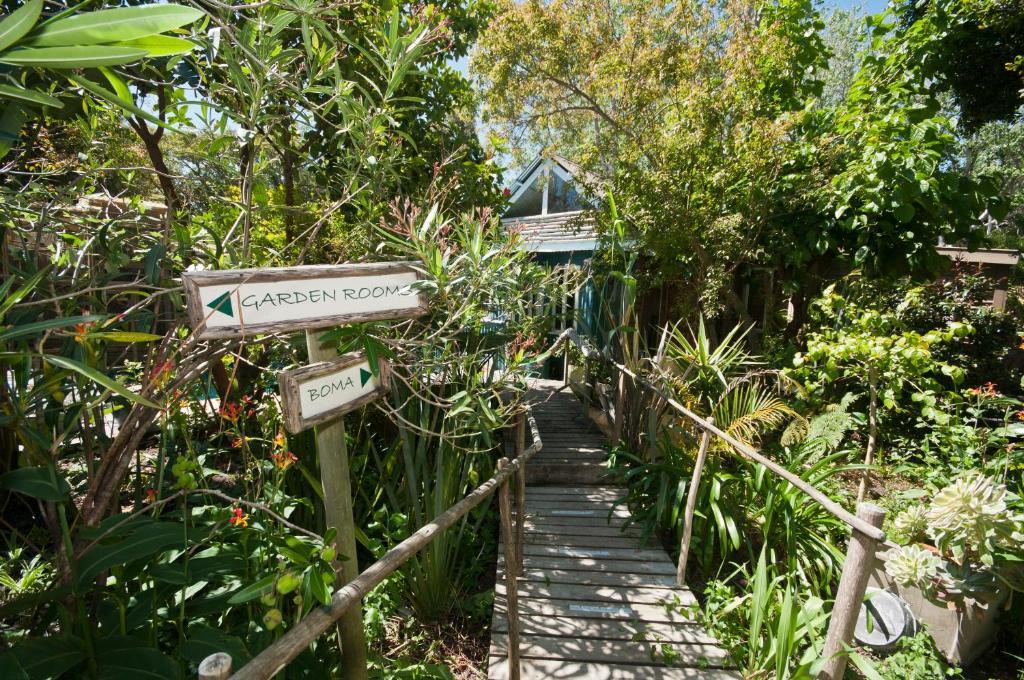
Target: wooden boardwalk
{"x":593,"y":602}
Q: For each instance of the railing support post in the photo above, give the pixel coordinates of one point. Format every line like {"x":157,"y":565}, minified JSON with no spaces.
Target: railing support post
{"x":620,"y":407}
{"x":565,"y":364}
{"x":512,"y":566}
{"x":691,"y":504}
{"x":860,"y":556}
{"x":215,"y":667}
{"x":520,"y":446}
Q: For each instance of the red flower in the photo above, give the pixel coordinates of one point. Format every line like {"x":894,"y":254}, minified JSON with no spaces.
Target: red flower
{"x":150,"y":495}
{"x":238,"y":519}
{"x":230,"y":411}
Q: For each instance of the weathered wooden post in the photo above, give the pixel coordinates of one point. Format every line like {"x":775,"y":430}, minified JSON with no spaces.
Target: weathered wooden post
{"x":337,"y":482}
{"x":620,"y":407}
{"x":512,"y":566}
{"x":243,"y":302}
{"x":691,"y":503}
{"x":860,"y":556}
{"x":520,"y":446}
{"x":215,"y":667}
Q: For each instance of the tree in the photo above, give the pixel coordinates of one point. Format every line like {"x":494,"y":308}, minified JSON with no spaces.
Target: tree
{"x":685,"y":111}
{"x":976,"y":53}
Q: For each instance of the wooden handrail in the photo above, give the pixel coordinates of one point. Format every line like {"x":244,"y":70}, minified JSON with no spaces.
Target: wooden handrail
{"x":272,"y":659}
{"x":744,"y":450}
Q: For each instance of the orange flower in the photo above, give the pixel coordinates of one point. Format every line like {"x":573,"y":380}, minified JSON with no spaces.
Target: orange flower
{"x":279,"y":440}
{"x":161,"y":372}
{"x":237,"y":442}
{"x":1020,"y":415}
{"x":987,"y":390}
{"x":82,"y":330}
{"x":237,"y":519}
{"x":283,"y":460}
{"x":150,"y":495}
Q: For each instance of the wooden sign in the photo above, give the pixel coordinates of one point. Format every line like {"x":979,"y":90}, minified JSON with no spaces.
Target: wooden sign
{"x":237,"y":302}
{"x":325,"y":390}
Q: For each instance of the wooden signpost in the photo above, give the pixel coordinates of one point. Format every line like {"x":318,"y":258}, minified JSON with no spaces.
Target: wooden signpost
{"x":241,"y":302}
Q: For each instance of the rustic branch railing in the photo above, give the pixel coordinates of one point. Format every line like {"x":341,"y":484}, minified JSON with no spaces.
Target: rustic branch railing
{"x":866,"y":524}
{"x":272,"y":659}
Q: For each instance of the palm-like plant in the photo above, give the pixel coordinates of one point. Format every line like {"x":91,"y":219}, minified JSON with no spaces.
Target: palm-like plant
{"x":725,"y":381}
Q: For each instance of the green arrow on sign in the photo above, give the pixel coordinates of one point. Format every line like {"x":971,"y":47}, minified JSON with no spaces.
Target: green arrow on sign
{"x":364,"y":377}
{"x":222,"y":304}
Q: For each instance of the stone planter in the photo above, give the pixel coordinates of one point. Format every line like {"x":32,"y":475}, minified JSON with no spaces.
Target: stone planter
{"x":961,"y":636}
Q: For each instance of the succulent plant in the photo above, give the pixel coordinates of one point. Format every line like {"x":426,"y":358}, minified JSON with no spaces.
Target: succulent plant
{"x":911,"y":524}
{"x":969,"y":520}
{"x":911,"y":565}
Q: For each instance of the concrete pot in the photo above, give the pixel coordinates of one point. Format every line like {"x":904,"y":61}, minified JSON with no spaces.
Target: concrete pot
{"x":961,"y":636}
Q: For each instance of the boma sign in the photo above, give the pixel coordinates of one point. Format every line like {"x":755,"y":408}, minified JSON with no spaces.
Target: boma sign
{"x":239,"y":302}
{"x":323,"y":391}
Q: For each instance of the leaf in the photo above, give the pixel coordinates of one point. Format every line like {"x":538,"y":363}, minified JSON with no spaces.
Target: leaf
{"x":46,"y":324}
{"x":253,"y":590}
{"x":144,"y":542}
{"x":10,"y":668}
{"x":35,"y":482}
{"x":111,"y":97}
{"x":116,"y":82}
{"x":126,"y":336}
{"x":49,"y":657}
{"x":100,"y":378}
{"x":31,"y":96}
{"x":19,"y":22}
{"x":66,"y":58}
{"x":112,"y":25}
{"x":11,"y":121}
{"x":159,"y":45}
{"x":127,"y":657}
{"x":26,"y":288}
{"x":317,"y":586}
{"x":904,"y":212}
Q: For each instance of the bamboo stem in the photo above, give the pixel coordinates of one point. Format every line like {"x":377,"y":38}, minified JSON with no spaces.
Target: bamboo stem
{"x":691,"y":503}
{"x":869,"y":454}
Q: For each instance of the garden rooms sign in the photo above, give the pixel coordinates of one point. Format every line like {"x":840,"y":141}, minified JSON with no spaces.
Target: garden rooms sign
{"x":238,"y":302}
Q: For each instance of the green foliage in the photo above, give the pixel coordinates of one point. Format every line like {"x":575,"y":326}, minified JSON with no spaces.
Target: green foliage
{"x":868,"y":342}
{"x":774,"y":629}
{"x":68,"y":41}
{"x":975,"y":44}
{"x":916,"y":658}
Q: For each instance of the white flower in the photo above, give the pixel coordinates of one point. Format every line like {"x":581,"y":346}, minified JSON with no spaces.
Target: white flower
{"x":912,"y":565}
{"x":911,"y":523}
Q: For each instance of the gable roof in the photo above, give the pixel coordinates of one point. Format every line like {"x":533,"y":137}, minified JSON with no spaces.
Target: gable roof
{"x":568,"y":231}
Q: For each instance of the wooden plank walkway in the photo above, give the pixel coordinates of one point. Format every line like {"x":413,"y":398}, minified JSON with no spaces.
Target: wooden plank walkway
{"x":593,"y":602}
